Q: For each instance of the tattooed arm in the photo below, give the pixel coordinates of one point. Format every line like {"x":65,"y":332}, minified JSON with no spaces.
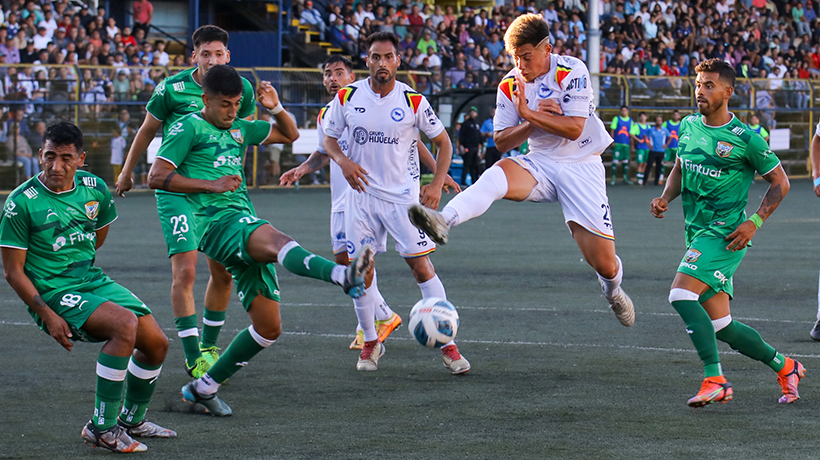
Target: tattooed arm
{"x":778,"y":188}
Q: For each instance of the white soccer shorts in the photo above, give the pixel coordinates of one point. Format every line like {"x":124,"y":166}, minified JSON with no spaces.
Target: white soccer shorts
{"x":368,"y":220}
{"x":338,"y":237}
{"x":579,"y":187}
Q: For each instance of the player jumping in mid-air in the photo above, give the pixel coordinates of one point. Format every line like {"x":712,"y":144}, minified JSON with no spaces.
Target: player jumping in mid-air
{"x":564,"y":164}
{"x":814,"y":153}
{"x":716,"y":163}
{"x":338,"y":72}
{"x":50,"y":231}
{"x":174,"y":98}
{"x":202,"y":158}
{"x":381,"y":165}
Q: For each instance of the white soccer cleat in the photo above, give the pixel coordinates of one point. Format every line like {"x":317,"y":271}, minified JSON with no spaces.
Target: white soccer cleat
{"x":369,"y":359}
{"x":454,"y":361}
{"x":430,"y":221}
{"x":621,"y":304}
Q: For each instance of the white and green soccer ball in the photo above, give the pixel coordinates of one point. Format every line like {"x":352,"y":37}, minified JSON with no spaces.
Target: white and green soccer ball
{"x":433,"y":322}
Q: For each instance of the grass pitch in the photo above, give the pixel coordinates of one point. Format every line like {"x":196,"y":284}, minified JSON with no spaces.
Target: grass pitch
{"x":554,"y":374}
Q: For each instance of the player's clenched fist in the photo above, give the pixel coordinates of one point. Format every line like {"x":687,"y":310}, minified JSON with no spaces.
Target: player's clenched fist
{"x":226,"y":184}
{"x":658,"y":206}
{"x":266,"y":95}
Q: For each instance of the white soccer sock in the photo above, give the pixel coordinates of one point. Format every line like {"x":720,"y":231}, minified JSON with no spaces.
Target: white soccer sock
{"x":338,"y":274}
{"x":365,"y":311}
{"x":432,"y":288}
{"x":205,"y":385}
{"x":476,"y":200}
{"x":818,"y":302}
{"x":383,"y":311}
{"x":612,"y":287}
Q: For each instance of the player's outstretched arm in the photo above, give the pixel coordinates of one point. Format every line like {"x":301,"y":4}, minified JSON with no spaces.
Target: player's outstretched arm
{"x":353,"y":172}
{"x":14,"y":261}
{"x":671,"y":190}
{"x":814,"y":154}
{"x":778,"y":188}
{"x":314,"y":162}
{"x":144,"y":136}
{"x":284,"y":131}
{"x":163,"y":176}
{"x":426,"y":157}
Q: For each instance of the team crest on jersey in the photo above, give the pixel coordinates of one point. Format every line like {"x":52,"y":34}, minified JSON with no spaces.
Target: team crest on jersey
{"x":346,"y":93}
{"x":413,"y":101}
{"x":561,"y":72}
{"x":397,"y":114}
{"x":236,"y":134}
{"x":691,"y":256}
{"x":92,"y":208}
{"x":544,"y":91}
{"x":724,"y":149}
{"x":507,"y":86}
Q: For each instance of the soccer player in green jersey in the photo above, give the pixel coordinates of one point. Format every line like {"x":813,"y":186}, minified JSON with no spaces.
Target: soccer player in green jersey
{"x":202,"y":158}
{"x":716,"y":163}
{"x":51,"y":228}
{"x":174,"y":98}
{"x":673,"y":126}
{"x":639,"y":133}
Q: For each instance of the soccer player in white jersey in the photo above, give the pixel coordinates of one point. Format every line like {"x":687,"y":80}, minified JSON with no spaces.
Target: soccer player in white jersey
{"x":815,"y":175}
{"x":382,"y":167}
{"x":337,"y":73}
{"x":548,"y":100}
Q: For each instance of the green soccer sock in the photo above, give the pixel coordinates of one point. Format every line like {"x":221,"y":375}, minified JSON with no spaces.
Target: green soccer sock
{"x":640,"y":176}
{"x":663,"y":171}
{"x":211,"y":325}
{"x":614,"y":171}
{"x":303,"y":263}
{"x":140,"y":383}
{"x":626,"y":172}
{"x":747,"y":341}
{"x":700,"y":329}
{"x":111,"y":372}
{"x":243,"y":347}
{"x":189,"y":336}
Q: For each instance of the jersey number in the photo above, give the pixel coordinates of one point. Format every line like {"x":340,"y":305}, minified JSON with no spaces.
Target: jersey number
{"x":607,"y":222}
{"x":180,"y":224}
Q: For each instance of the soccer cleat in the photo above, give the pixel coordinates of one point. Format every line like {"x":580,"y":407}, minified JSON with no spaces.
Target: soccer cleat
{"x":354,"y":273}
{"x":712,"y":391}
{"x":200,"y":367}
{"x":115,"y":439}
{"x":369,"y":359}
{"x":612,"y":182}
{"x":146,"y":429}
{"x":385,"y":327}
{"x":789,"y":382}
{"x":628,"y":182}
{"x":622,"y":305}
{"x":430,"y":221}
{"x":815,"y":331}
{"x":454,"y":361}
{"x":358,"y":342}
{"x":210,"y":354}
{"x":212,"y":404}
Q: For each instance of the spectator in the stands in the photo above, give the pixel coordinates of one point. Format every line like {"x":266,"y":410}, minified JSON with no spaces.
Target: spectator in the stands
{"x":313,"y":18}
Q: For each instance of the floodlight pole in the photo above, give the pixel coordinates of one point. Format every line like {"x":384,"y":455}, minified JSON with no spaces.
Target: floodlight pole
{"x":594,"y":49}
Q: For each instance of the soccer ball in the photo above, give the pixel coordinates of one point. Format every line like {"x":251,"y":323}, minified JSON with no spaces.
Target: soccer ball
{"x":433,"y":322}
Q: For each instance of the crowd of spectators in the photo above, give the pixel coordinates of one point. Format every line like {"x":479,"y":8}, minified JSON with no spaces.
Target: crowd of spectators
{"x":640,"y":38}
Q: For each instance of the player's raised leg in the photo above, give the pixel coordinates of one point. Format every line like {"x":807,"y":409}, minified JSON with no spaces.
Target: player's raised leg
{"x":506,"y":179}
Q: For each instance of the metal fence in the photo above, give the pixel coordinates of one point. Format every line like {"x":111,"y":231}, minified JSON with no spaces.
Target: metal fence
{"x":98,"y":98}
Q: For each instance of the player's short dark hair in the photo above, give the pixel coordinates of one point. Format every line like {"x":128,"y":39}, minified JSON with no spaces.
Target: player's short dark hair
{"x":676,"y":111}
{"x":224,"y":80}
{"x":334,"y":58}
{"x":625,"y":107}
{"x":383,"y":37}
{"x":64,"y":133}
{"x":726,"y":73}
{"x":642,"y":113}
{"x":208,"y":34}
{"x":527,"y":29}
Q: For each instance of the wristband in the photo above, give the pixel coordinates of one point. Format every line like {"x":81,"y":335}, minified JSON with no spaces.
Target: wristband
{"x":817,"y":182}
{"x":277,"y":110}
{"x":756,"y":220}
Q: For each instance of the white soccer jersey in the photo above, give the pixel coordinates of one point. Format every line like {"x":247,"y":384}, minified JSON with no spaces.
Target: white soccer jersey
{"x":338,"y":183}
{"x":384,"y":133}
{"x":817,"y":130}
{"x":567,"y":83}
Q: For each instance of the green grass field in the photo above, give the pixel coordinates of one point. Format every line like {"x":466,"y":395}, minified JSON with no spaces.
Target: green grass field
{"x":554,"y":374}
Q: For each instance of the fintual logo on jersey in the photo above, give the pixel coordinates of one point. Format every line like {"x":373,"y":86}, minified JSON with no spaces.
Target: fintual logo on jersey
{"x":51,"y":213}
{"x":9,"y":209}
{"x":179,"y":86}
{"x":561,"y":72}
{"x":692,"y":255}
{"x":397,"y":114}
{"x":724,"y":149}
{"x":30,"y":193}
{"x":507,"y":86}
{"x":175,"y":129}
{"x":92,"y":208}
{"x":193,"y":104}
{"x":345,"y":94}
{"x":413,"y":100}
{"x":90,"y":181}
{"x":236,"y":134}
{"x":362,"y":136}
{"x":58,"y":243}
{"x":544,"y":91}
{"x":690,"y":165}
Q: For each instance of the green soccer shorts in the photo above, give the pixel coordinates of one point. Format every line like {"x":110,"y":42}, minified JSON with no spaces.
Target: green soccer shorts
{"x":707,"y":260}
{"x":620,"y":152}
{"x":226,"y":242}
{"x":76,"y":305}
{"x":669,"y":156}
{"x":641,"y":155}
{"x":177,"y":221}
